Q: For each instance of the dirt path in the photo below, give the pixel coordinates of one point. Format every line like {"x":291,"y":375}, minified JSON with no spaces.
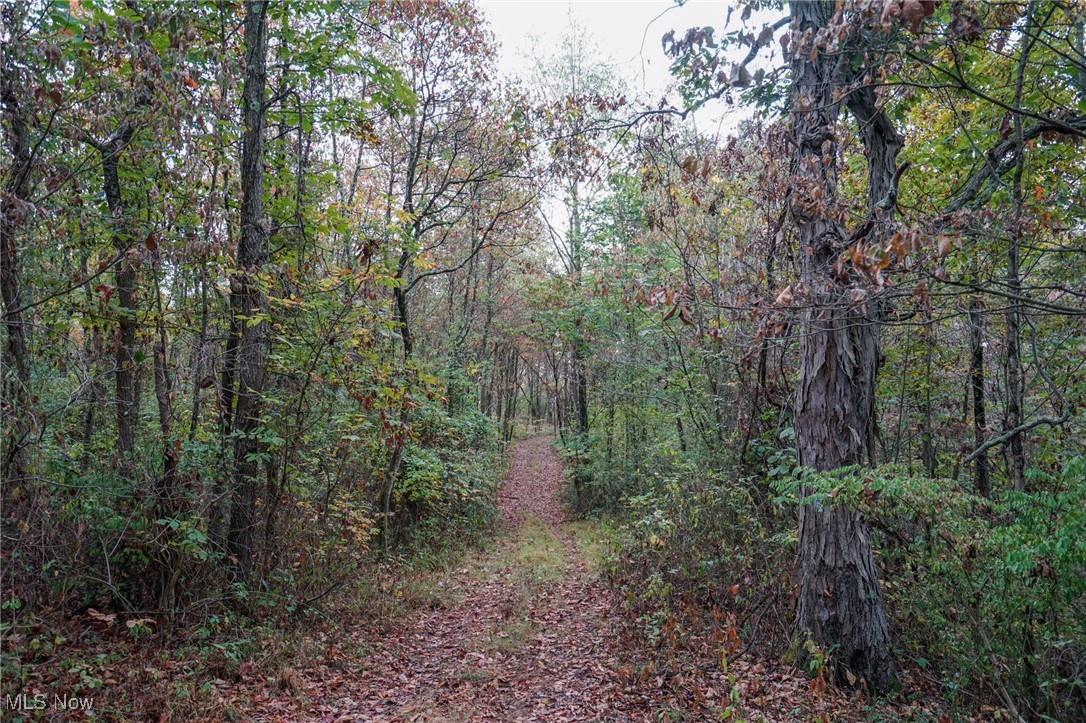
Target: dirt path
{"x":530,"y":640}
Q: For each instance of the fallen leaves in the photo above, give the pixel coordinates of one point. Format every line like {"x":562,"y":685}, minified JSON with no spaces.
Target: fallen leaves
{"x":516,"y":645}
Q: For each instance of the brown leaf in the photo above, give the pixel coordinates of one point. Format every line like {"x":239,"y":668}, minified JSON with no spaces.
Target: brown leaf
{"x":106,"y":618}
{"x":1005,"y":126}
{"x":784,"y":298}
{"x":920,"y":293}
{"x":944,"y":244}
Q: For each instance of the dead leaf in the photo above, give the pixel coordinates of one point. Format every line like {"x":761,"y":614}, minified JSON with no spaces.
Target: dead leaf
{"x":107,"y":618}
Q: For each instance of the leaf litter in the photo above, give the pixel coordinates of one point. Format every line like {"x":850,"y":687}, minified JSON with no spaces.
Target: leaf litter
{"x":518,"y":645}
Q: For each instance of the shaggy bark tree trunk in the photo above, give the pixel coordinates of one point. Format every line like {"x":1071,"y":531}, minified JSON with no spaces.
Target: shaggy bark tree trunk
{"x":840,"y":604}
{"x":16,"y":372}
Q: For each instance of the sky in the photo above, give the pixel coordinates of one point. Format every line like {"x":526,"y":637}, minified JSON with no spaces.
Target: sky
{"x":627,"y":31}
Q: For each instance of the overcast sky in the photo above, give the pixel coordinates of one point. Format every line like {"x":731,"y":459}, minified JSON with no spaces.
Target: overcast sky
{"x":628,"y":33}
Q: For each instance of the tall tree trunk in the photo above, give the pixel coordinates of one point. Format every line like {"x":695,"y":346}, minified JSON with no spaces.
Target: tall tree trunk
{"x":976,"y":384}
{"x":927,"y":443}
{"x":1017,"y":456}
{"x":580,"y":386}
{"x":125,"y":279}
{"x":167,"y":500}
{"x":840,"y":604}
{"x":401,"y":294}
{"x":247,"y":300}
{"x":402,"y":298}
{"x":16,"y":371}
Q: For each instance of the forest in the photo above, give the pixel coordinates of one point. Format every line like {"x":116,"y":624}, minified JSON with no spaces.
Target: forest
{"x":349,"y":376}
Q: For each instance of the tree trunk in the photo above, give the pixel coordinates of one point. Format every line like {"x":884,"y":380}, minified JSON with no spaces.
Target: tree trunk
{"x":401,"y":295}
{"x":927,"y":443}
{"x":16,"y":372}
{"x":580,"y":343}
{"x":580,"y":387}
{"x":167,"y":500}
{"x":976,"y":384}
{"x":840,"y":605}
{"x":1017,"y":457}
{"x":247,"y":300}
{"x":125,"y":279}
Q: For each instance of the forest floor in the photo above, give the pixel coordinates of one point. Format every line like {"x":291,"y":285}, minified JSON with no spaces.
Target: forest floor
{"x":528,"y":631}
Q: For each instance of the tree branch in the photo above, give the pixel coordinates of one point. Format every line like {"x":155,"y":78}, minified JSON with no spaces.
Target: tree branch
{"x":1011,"y":433}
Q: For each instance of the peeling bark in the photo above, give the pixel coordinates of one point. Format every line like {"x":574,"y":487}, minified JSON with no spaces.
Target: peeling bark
{"x":840,"y":607}
{"x":13,"y":211}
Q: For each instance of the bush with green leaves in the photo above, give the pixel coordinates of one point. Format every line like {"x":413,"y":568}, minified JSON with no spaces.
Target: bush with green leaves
{"x":700,"y":543}
{"x":603,"y":473}
{"x":445,"y":492}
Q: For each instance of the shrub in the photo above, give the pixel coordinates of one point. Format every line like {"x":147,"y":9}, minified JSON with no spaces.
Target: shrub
{"x":697,"y":547}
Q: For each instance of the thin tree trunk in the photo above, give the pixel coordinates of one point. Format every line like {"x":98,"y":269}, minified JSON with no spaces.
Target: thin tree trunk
{"x":199,"y":348}
{"x":125,"y":279}
{"x":1017,"y":457}
{"x":927,"y":447}
{"x":580,"y":386}
{"x":168,"y":501}
{"x":1015,"y":392}
{"x":976,"y":384}
{"x":198,"y":359}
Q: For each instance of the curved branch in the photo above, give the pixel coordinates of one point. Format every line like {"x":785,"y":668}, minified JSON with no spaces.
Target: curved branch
{"x":1011,"y":433}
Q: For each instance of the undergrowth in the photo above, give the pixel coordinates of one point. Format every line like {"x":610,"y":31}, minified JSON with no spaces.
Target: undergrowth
{"x":137,"y":665}
{"x":986,"y":597}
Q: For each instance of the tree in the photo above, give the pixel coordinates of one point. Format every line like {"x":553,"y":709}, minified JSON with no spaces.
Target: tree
{"x":840,"y":605}
{"x":445,"y":164}
{"x":14,"y":210}
{"x":246,"y":297}
{"x":450,"y":150}
{"x":834,"y":55}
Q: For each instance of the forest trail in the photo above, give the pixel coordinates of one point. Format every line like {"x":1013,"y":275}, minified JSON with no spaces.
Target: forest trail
{"x":532,"y":639}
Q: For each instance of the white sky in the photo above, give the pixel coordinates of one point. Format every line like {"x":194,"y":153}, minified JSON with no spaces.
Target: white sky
{"x":628,"y":32}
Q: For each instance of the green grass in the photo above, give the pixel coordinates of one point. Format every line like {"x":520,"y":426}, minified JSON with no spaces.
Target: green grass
{"x":511,"y":637}
{"x":532,"y":558}
{"x":592,"y":540}
{"x":539,"y":555}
